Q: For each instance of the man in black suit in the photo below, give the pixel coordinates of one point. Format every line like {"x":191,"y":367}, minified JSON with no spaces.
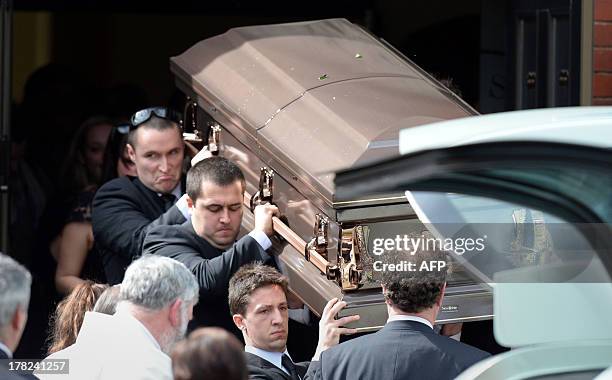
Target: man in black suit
{"x":15,"y":283}
{"x":406,"y":347}
{"x":258,"y":303}
{"x":126,"y":208}
{"x":207,"y":244}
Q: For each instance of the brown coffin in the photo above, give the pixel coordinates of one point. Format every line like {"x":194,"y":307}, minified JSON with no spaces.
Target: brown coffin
{"x":305,"y":100}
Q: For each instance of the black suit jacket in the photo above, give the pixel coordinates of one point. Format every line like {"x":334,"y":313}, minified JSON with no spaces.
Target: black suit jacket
{"x":212,"y":267}
{"x":5,"y":374}
{"x":401,"y":350}
{"x":261,"y":369}
{"x":124,"y":210}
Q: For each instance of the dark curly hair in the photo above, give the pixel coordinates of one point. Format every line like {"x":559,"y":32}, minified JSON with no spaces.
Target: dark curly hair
{"x":415,"y":291}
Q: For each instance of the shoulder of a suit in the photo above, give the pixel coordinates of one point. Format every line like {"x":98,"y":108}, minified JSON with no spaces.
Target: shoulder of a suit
{"x":173,"y":230}
{"x":120,"y":184}
{"x":246,"y":239}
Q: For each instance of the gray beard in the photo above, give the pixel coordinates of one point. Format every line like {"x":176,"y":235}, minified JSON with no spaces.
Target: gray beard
{"x":169,"y":339}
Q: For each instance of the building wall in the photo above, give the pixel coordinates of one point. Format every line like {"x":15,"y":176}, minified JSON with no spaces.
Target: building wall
{"x":32,"y":36}
{"x":602,"y":52}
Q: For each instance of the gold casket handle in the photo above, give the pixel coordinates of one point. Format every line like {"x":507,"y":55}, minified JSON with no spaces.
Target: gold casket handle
{"x":293,"y":239}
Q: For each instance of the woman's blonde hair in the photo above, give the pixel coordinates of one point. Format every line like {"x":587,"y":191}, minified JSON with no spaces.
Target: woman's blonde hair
{"x":70,"y":312}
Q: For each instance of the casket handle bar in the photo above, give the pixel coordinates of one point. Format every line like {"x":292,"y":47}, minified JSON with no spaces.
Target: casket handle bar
{"x":214,"y":139}
{"x":352,"y":243}
{"x":189,"y":121}
{"x":265,"y":194}
{"x":192,"y":133}
{"x":348,"y":273}
{"x":294,"y":239}
{"x":319,"y":241}
{"x":318,"y":246}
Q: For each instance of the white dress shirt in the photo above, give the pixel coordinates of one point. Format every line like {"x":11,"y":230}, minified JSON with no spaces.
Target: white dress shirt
{"x":181,"y":202}
{"x":409,"y":318}
{"x":273,"y":357}
{"x":6,"y":350}
{"x":261,"y":238}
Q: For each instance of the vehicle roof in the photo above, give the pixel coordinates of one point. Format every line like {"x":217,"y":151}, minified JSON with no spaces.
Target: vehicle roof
{"x":591,"y":126}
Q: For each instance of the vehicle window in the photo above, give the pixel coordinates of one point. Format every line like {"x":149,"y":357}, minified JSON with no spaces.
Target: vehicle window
{"x":508,"y":238}
{"x":592,"y":186}
{"x":382,"y":238}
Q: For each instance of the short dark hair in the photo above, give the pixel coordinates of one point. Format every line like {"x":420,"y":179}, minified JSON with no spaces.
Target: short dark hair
{"x":415,"y":291}
{"x":209,"y":353}
{"x":218,"y":170}
{"x":154,"y":122}
{"x":249,"y":278}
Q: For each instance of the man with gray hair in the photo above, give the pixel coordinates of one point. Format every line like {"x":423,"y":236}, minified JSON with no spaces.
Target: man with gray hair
{"x":155,"y":304}
{"x":15,"y":282}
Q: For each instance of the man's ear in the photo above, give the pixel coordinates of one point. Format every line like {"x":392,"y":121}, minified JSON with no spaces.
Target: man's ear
{"x":190,"y":202}
{"x":175,"y":313}
{"x":19,"y":319}
{"x":441,"y":296}
{"x":384,"y":290}
{"x":131,"y":152}
{"x":239,"y":321}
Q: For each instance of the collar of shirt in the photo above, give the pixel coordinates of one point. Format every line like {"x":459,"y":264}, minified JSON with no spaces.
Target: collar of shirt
{"x":409,"y":318}
{"x":8,"y":352}
{"x":126,"y":317}
{"x":176,"y":192}
{"x":273,"y":357}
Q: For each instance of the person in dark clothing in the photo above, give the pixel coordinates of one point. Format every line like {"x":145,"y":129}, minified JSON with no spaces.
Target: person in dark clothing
{"x":407,"y":346}
{"x":259,"y":307}
{"x":125,"y":209}
{"x":207,"y":244}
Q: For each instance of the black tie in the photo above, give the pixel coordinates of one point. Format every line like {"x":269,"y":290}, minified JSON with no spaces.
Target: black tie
{"x":290,"y":367}
{"x":169,"y":200}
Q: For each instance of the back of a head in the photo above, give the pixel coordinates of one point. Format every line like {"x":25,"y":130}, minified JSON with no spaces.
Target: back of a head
{"x":249,"y":278}
{"x":107,"y":302}
{"x":70,"y":313}
{"x":15,"y":284}
{"x":209,"y":353}
{"x":413,"y":291}
{"x":154,"y":282}
{"x":217,"y":170}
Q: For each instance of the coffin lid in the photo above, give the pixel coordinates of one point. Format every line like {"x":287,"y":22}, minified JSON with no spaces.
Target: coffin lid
{"x":318,"y":96}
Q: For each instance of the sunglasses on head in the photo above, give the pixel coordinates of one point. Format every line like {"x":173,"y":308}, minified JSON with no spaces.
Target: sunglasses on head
{"x":124,"y":129}
{"x":119,"y":131}
{"x":146,"y":114}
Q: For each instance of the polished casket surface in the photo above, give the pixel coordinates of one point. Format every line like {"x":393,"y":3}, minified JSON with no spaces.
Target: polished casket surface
{"x":305,"y":100}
